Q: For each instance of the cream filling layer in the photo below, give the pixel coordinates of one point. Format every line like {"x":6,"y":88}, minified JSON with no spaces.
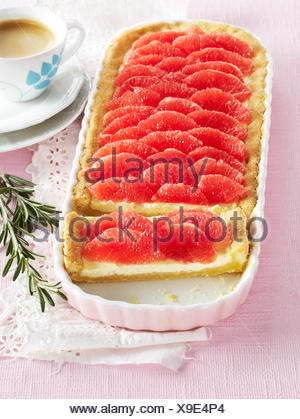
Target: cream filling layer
{"x":155,"y":208}
{"x":227,"y":261}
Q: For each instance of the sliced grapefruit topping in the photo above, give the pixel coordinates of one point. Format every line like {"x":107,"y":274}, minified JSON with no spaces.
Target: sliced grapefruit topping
{"x":130,"y":238}
{"x":213,"y":65}
{"x":191,"y":43}
{"x":228,"y":42}
{"x":137,"y":81}
{"x":218,"y":139}
{"x":220,"y":54}
{"x":176,"y":104}
{"x":176,"y":115}
{"x":194,"y":30}
{"x":177,"y":76}
{"x":166,"y":120}
{"x":118,"y":190}
{"x":170,"y":155}
{"x":128,"y":219}
{"x":188,"y":43}
{"x":120,"y":165}
{"x":173,"y":89}
{"x":185,"y":243}
{"x":157,"y":47}
{"x":139,"y":96}
{"x":165,"y":36}
{"x":129,"y":71}
{"x":209,"y":166}
{"x":162,"y":173}
{"x":180,"y":193}
{"x":129,"y":120}
{"x":161,"y":140}
{"x":214,"y":227}
{"x":132,"y":133}
{"x":220,"y":189}
{"x":171,"y":64}
{"x":138,"y":148}
{"x":217,"y":154}
{"x":227,"y":82}
{"x":217,"y":100}
{"x":125,"y":110}
{"x":220,"y":121}
{"x":150,"y":59}
{"x":134,"y":248}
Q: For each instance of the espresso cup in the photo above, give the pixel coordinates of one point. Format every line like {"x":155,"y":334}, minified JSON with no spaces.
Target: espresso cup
{"x":25,"y":78}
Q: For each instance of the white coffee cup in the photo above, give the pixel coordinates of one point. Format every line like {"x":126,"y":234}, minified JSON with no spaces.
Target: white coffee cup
{"x":25,"y":78}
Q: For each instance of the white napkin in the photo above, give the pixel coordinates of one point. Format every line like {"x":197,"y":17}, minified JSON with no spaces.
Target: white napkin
{"x":62,"y":334}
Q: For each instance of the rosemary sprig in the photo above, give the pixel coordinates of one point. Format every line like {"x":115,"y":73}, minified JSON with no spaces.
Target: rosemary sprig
{"x":19,"y":222}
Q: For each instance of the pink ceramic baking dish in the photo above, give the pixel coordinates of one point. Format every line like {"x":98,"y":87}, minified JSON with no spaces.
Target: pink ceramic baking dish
{"x":179,"y":304}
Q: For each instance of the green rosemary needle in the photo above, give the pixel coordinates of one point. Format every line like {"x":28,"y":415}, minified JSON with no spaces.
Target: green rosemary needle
{"x":20,"y":215}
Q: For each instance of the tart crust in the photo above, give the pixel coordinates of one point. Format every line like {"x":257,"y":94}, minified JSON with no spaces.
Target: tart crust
{"x":233,"y":259}
{"x":113,"y":60}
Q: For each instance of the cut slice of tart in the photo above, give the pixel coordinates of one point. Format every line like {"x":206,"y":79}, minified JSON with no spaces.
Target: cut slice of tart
{"x":126,"y":246}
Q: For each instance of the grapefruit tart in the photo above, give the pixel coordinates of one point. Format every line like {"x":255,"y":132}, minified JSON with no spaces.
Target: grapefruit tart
{"x":168,"y":171}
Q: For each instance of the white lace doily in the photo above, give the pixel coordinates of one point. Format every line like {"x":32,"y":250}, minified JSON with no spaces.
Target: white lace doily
{"x":62,"y":333}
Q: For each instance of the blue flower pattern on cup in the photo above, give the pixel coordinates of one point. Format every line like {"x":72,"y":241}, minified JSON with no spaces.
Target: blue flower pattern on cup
{"x":48,"y":70}
{"x":38,"y":80}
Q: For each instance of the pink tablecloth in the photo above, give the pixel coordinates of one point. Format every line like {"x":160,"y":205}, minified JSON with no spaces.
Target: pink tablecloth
{"x":255,"y":353}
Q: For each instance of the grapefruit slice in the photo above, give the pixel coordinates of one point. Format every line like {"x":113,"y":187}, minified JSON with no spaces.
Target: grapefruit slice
{"x":161,"y":173}
{"x":165,"y":36}
{"x":220,"y":54}
{"x":129,"y":120}
{"x":194,"y":30}
{"x":212,"y":78}
{"x":129,"y":71}
{"x":217,"y":100}
{"x":167,"y":120}
{"x":173,"y":89}
{"x":176,"y":104}
{"x":119,"y":165}
{"x":138,"y":148}
{"x":218,"y":120}
{"x":185,"y":243}
{"x":188,"y":43}
{"x":182,"y":141}
{"x":150,"y":59}
{"x":180,"y":193}
{"x":217,"y":154}
{"x":159,"y":48}
{"x":170,"y":155}
{"x":139,"y":96}
{"x":194,"y":42}
{"x":171,"y":64}
{"x":213,"y":65}
{"x":131,"y":133}
{"x":211,"y":166}
{"x":128,"y":219}
{"x":117,"y":113}
{"x":137,"y":81}
{"x":220,"y":189}
{"x":212,"y":226}
{"x":117,"y":190}
{"x":218,"y":139}
{"x":177,"y":76}
{"x":136,"y":248}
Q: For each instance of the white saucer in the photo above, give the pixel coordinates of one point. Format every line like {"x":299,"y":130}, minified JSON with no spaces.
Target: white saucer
{"x":23,"y":138}
{"x":60,"y":94}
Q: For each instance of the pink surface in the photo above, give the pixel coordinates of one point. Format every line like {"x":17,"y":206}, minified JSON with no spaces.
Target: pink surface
{"x":255,"y":353}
